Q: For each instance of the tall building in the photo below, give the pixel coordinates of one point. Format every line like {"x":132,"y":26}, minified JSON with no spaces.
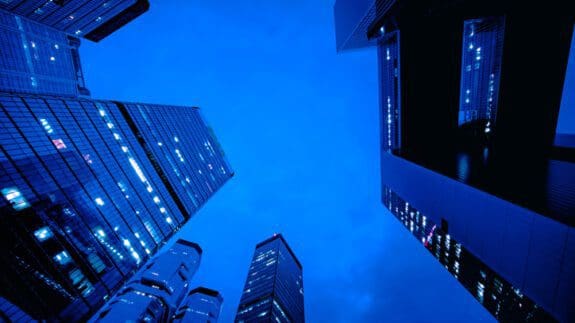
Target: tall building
{"x":90,"y":190}
{"x":468,"y":112}
{"x":201,"y":305}
{"x":91,"y":19}
{"x":274,"y":287}
{"x":38,"y":59}
{"x":156,"y":291}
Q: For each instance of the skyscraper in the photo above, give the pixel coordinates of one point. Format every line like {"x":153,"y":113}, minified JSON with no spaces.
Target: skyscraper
{"x":274,"y":287}
{"x":86,"y":200}
{"x":155,"y":293}
{"x":38,"y":59}
{"x":468,"y":112}
{"x":91,"y":19}
{"x":201,"y":305}
{"x":90,"y":189}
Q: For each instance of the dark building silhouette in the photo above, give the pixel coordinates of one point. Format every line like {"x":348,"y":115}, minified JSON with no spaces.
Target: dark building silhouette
{"x":468,"y":111}
{"x":91,"y":19}
{"x":156,"y":291}
{"x":274,"y":287}
{"x":200,"y":305}
{"x":90,"y":190}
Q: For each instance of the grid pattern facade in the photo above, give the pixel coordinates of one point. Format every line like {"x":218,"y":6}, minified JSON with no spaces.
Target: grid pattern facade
{"x":74,"y":17}
{"x":201,"y":305}
{"x":481,"y":71}
{"x":192,"y":159}
{"x":83,"y":205}
{"x":38,"y":59}
{"x":388,"y":57}
{"x":274,"y":288}
{"x":504,"y":301}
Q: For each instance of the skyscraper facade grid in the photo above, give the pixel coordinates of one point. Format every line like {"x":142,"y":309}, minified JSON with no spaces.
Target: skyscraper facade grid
{"x":274,"y":287}
{"x":84,"y":203}
{"x":38,"y":59}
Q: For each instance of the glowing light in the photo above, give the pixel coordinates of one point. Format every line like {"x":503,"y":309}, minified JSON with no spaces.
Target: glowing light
{"x":43,"y":233}
{"x":99,"y":201}
{"x":137,"y":169}
{"x":59,"y":143}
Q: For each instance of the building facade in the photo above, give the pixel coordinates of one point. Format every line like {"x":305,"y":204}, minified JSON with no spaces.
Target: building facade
{"x":38,"y":59}
{"x":274,"y":287}
{"x":200,"y":305}
{"x":467,"y":132}
{"x":90,"y":19}
{"x":157,"y":290}
{"x":85,"y":201}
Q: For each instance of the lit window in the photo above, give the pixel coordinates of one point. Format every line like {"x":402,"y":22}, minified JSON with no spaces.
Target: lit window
{"x":56,"y":46}
{"x":43,"y":233}
{"x":156,"y":199}
{"x":15,"y":198}
{"x":169,"y":220}
{"x":62,"y":258}
{"x":99,"y":201}
{"x":163,"y":210}
{"x":52,"y":58}
{"x":102,"y":112}
{"x":110,"y":125}
{"x":59,"y":143}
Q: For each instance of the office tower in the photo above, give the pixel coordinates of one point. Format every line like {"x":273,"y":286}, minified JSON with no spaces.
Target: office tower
{"x":38,"y":59}
{"x":156,"y":291}
{"x":201,"y":305}
{"x":91,"y":19}
{"x":468,"y":112}
{"x":274,"y":287}
{"x":89,"y":193}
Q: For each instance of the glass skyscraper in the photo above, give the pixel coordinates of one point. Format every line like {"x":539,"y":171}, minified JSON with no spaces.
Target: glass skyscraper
{"x":201,"y":305}
{"x":38,"y":59}
{"x":274,"y":287}
{"x":91,"y":19}
{"x":155,"y":293}
{"x":468,"y":113}
{"x":89,"y":189}
{"x":88,"y":195}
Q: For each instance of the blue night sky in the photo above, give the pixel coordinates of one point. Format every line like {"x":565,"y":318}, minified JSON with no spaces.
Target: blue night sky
{"x":299,"y":124}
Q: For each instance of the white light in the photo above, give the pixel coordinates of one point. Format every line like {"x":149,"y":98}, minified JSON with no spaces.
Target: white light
{"x":110,"y":125}
{"x":56,"y":46}
{"x":125,"y":149}
{"x":127,"y":243}
{"x":163,"y":209}
{"x":52,"y":58}
{"x":156,"y":199}
{"x":137,"y":169}
{"x":101,"y":233}
{"x":176,"y":139}
{"x":102,"y":113}
{"x":149,"y":188}
{"x":160,"y":144}
{"x":99,"y":201}
{"x":169,"y":220}
{"x":116,"y":136}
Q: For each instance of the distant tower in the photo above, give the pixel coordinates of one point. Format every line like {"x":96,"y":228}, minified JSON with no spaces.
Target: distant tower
{"x":274,"y":286}
{"x":155,"y":293}
{"x":201,"y":305}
